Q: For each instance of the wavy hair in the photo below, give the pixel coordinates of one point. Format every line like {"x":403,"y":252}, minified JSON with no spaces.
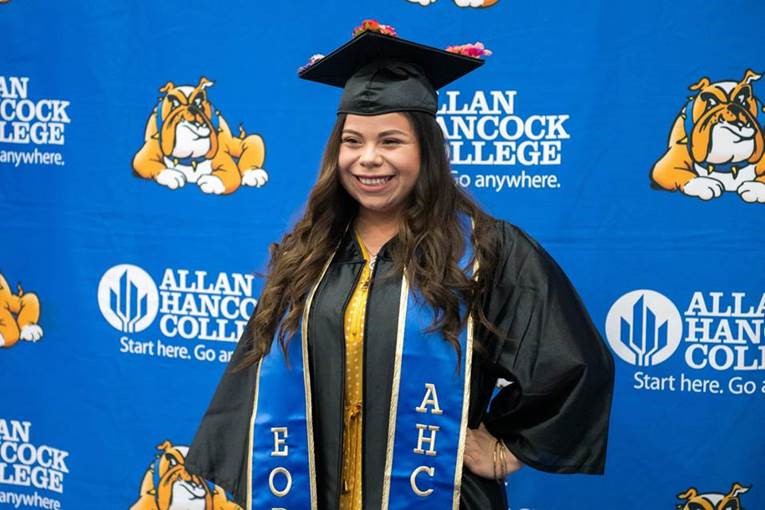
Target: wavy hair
{"x":430,"y":243}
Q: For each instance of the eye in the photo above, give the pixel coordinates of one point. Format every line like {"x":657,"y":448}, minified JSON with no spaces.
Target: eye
{"x":741,"y":98}
{"x":198,"y":101}
{"x":174,"y":103}
{"x":710,"y":100}
{"x":350,"y":140}
{"x":392,"y":141}
{"x":171,"y":460}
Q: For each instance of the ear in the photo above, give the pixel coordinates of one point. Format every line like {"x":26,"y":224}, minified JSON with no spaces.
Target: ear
{"x":701,"y":141}
{"x":737,"y":489}
{"x":204,"y":83}
{"x":167,"y":87}
{"x":213,"y":142}
{"x":701,"y":84}
{"x":750,"y":76}
{"x":689,"y":494}
{"x":166,"y":445}
{"x":759,"y":146}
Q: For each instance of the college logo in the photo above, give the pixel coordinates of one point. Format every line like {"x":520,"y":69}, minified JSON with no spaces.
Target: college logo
{"x":167,"y":485}
{"x":484,"y":129}
{"x":644,"y":328}
{"x":29,"y":121}
{"x":712,"y":500}
{"x":24,"y":463}
{"x":188,"y":140}
{"x":718,"y":330}
{"x":185,"y":304}
{"x":460,"y":3}
{"x":716,"y":143}
{"x":128,"y":298}
{"x":19,"y":315}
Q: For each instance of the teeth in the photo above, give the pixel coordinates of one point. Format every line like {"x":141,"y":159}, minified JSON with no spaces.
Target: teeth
{"x":374,"y":182}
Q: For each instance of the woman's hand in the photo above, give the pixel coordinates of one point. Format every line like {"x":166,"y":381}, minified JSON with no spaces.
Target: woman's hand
{"x":479,"y":454}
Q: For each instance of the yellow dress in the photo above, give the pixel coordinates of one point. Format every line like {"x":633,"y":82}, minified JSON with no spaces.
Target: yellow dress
{"x":350,"y":495}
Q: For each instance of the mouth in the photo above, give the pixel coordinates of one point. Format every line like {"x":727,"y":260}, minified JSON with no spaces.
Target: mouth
{"x":374,"y":182}
{"x":193,"y":490}
{"x":198,"y":129}
{"x":741,"y":132}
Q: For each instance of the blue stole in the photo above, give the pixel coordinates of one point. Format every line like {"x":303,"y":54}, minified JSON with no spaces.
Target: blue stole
{"x":426,"y":429}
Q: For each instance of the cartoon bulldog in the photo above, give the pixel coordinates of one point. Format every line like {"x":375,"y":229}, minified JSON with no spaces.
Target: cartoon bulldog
{"x":187,"y":140}
{"x":717,"y":143}
{"x":168,"y":486}
{"x":712,"y":500}
{"x":27,"y":309}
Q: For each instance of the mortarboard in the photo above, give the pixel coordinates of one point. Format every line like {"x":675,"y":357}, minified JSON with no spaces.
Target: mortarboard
{"x":382,"y":73}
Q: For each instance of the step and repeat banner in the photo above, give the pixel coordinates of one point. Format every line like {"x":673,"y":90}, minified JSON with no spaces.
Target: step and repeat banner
{"x":626,"y":136}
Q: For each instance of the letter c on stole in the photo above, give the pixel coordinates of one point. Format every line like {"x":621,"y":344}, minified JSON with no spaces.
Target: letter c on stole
{"x":431,"y":471}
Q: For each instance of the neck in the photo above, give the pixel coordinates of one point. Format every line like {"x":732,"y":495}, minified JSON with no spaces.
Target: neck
{"x":376,"y":229}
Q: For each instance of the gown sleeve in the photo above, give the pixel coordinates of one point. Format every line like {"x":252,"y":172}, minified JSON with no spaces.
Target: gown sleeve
{"x":221,"y":444}
{"x":554,"y":414}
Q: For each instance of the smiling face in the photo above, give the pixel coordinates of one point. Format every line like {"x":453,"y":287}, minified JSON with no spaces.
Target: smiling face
{"x":379,"y":162}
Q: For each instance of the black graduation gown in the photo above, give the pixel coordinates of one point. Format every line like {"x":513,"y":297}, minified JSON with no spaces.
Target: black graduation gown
{"x":553,"y":417}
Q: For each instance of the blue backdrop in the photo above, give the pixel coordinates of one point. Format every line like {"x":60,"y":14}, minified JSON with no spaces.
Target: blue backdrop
{"x":121,"y":298}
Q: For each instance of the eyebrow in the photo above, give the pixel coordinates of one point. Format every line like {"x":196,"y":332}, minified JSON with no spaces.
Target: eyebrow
{"x":380,"y":135}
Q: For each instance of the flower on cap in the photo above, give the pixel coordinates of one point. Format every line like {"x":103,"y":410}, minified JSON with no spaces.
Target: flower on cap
{"x":374,"y":26}
{"x":475,"y":50}
{"x":311,"y":61}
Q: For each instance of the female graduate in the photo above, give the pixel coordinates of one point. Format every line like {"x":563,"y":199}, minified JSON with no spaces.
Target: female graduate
{"x":366,"y":377}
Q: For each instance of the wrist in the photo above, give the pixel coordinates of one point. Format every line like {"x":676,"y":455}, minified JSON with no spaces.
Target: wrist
{"x":512,"y":464}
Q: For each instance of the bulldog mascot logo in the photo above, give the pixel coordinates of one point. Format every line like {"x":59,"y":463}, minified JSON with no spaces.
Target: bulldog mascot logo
{"x":168,"y":486}
{"x":187,"y":140}
{"x":717,"y":143}
{"x":712,"y":500}
{"x":26,"y":308}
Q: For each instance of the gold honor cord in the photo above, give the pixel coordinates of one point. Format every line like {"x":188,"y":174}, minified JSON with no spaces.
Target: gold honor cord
{"x":395,"y":388}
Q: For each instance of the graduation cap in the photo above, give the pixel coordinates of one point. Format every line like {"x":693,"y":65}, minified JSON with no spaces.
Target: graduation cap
{"x":382,"y":73}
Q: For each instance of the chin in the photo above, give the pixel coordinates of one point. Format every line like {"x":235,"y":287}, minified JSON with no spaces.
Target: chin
{"x":386,"y":209}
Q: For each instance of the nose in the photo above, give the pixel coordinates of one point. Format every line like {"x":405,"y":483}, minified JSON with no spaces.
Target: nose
{"x":370,"y":157}
{"x":195,"y":109}
{"x":737,"y":115}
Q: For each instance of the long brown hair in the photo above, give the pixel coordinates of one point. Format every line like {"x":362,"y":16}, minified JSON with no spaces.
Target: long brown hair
{"x":429,"y":245}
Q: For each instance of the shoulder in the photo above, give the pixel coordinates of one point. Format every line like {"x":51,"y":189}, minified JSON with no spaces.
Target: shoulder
{"x":510,"y":236}
{"x":521,"y":259}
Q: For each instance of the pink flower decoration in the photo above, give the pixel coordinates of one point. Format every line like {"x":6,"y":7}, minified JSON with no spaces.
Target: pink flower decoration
{"x":475,"y":50}
{"x":374,"y":26}
{"x":311,"y":61}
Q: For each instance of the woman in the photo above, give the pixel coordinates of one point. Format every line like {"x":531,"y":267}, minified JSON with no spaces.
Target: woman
{"x":396,"y":305}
